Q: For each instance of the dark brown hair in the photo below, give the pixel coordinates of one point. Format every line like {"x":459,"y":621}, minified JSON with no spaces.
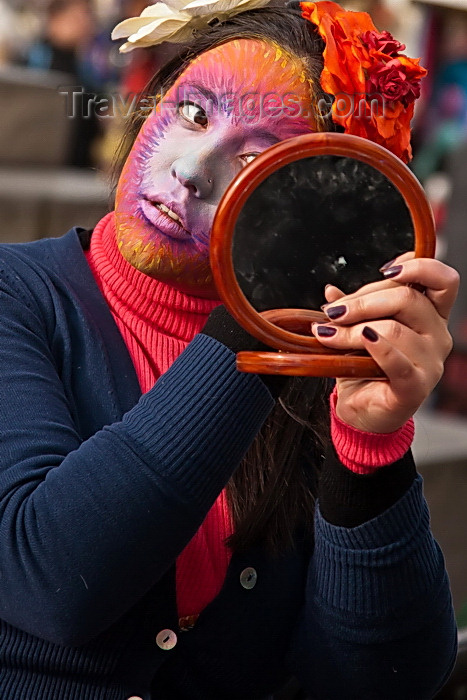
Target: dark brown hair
{"x":272,"y":492}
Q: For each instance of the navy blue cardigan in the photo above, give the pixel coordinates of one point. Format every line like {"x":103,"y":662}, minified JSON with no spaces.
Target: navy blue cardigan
{"x":101,"y":488}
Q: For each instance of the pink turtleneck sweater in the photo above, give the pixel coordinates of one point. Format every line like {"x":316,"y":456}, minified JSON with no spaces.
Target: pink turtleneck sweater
{"x":157,"y":322}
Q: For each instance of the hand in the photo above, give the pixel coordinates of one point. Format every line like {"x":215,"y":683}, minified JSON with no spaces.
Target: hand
{"x":403,"y":329}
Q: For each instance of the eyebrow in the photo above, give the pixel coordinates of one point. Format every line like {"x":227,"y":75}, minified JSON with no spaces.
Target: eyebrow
{"x":211,"y":95}
{"x":206,"y":92}
{"x":265,"y":134}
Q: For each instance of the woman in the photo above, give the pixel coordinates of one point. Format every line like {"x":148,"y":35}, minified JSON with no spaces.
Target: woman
{"x":156,"y":505}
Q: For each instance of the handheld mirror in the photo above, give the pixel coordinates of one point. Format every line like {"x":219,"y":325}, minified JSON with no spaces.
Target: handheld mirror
{"x":318,"y":209}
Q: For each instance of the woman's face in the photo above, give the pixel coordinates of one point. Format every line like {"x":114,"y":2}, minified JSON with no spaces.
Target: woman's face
{"x":229,"y":105}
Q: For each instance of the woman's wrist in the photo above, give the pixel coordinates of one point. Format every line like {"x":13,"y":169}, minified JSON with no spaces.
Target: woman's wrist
{"x":364,"y":452}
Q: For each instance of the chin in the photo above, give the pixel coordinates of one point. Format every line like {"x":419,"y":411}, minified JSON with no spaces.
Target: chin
{"x":184,"y":274}
{"x":181,"y":264}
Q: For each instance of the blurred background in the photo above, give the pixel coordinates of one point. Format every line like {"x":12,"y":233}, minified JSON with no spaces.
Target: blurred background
{"x":65,"y":95}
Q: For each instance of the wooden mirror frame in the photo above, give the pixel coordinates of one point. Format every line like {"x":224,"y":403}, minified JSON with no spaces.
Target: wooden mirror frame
{"x":301,"y":354}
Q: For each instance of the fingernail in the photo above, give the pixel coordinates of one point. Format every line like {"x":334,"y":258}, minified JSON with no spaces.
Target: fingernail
{"x":325,"y":331}
{"x":335,"y":311}
{"x":370,"y":334}
{"x":392,"y":271}
{"x":386,"y":265}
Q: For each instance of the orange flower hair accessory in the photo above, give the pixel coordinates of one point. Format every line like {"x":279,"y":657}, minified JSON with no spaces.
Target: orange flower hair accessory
{"x":373,"y":83}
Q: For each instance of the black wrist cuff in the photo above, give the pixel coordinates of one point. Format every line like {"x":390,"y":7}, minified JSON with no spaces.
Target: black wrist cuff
{"x":223,"y":327}
{"x":348,"y":499}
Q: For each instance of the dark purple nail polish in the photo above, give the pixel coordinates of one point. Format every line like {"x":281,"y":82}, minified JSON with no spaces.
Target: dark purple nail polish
{"x":387,"y":265}
{"x":335,"y":311}
{"x":325,"y":331}
{"x":370,"y":334}
{"x":392,"y":271}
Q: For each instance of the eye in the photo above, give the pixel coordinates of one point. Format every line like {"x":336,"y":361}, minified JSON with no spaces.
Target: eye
{"x":193,"y":113}
{"x":248,"y":157}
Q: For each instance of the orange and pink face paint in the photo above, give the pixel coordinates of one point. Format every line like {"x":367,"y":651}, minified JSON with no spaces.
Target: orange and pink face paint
{"x":229,"y":105}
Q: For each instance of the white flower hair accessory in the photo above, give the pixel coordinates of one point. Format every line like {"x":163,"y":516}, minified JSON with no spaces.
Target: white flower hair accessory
{"x":175,"y":21}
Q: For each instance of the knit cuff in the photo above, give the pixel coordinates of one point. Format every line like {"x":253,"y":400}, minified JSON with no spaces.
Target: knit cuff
{"x":393,"y":558}
{"x":363,"y":452}
{"x":224,"y":328}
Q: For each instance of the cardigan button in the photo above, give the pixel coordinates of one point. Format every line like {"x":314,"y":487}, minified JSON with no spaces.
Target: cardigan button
{"x":248,"y":578}
{"x":166,"y":640}
{"x":135,"y":697}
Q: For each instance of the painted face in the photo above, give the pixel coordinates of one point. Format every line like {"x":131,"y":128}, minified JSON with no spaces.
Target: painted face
{"x":229,"y":105}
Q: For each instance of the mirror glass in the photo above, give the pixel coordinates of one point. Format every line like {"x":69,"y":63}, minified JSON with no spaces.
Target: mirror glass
{"x":320,"y":220}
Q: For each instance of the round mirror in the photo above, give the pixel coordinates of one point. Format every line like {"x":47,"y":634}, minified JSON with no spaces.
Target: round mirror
{"x":314,"y":210}
{"x":316,"y":221}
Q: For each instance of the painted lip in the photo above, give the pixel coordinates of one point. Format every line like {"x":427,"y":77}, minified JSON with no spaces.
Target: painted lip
{"x":162,"y":220}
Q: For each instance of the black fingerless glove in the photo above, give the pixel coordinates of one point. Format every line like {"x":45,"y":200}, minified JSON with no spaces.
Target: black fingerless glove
{"x":224,"y":328}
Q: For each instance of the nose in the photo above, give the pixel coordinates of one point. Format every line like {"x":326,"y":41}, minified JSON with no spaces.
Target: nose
{"x":193,"y":172}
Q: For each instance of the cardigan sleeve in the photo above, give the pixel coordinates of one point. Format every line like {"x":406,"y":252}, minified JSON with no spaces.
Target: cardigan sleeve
{"x":88,"y":527}
{"x":378,"y":620}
